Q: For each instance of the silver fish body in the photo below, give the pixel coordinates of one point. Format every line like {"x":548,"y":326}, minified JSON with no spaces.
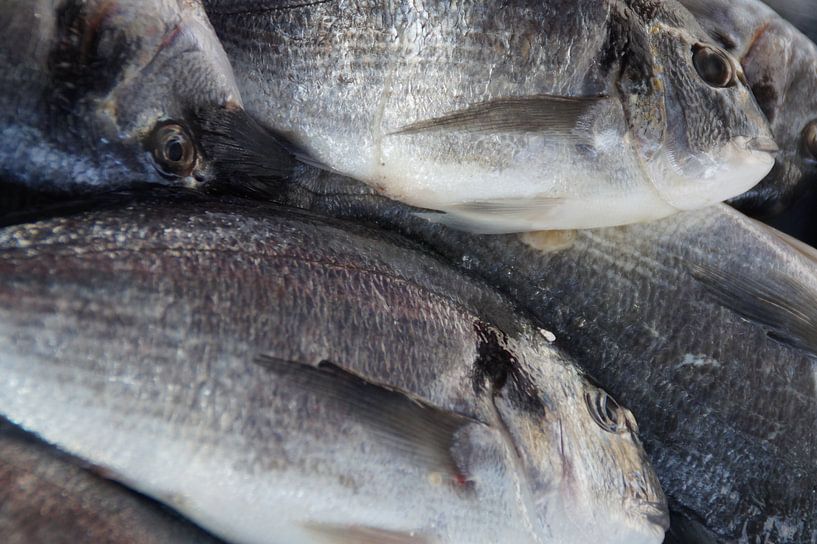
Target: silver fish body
{"x":780,"y":64}
{"x":524,"y":116}
{"x":703,"y":323}
{"x":98,"y":94}
{"x":282,"y":378}
{"x":48,"y":498}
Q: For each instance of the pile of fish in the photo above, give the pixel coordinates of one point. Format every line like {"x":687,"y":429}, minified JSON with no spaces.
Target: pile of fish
{"x":368,"y":271}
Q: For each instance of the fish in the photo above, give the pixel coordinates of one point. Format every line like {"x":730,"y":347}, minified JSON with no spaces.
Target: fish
{"x":278,"y":376}
{"x":102,"y":94}
{"x":702,"y":323}
{"x":525,"y":116}
{"x":780,"y":64}
{"x":46,"y":497}
{"x":798,"y":12}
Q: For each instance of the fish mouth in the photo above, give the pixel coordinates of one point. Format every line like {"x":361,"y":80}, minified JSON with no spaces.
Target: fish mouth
{"x":656,"y":513}
{"x":709,"y":178}
{"x":762,"y":143}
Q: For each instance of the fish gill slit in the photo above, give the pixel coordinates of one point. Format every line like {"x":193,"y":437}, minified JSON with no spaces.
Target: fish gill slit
{"x":523,"y":493}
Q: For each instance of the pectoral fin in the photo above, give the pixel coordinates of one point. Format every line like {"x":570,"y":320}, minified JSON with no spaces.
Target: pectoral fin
{"x":564,"y":117}
{"x":403,"y":421}
{"x":497,"y":216}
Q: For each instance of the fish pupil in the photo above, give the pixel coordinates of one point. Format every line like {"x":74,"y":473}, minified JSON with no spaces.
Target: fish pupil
{"x":713,"y":66}
{"x":175,"y":150}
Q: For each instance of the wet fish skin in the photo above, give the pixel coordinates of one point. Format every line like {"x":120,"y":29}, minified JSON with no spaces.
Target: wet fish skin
{"x":525,"y":116}
{"x":800,"y":13}
{"x":96,"y":94}
{"x":702,"y":323}
{"x":780,"y":64}
{"x":48,"y":498}
{"x":220,"y":398}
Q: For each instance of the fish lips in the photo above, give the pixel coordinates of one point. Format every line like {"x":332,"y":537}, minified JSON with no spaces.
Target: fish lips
{"x":646,"y":495}
{"x":656,"y":513}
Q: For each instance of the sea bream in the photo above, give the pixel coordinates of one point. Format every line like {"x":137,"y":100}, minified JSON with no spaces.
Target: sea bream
{"x":780,"y":64}
{"x":702,"y":323}
{"x":102,"y":93}
{"x":281,"y":378}
{"x":799,"y":12}
{"x":521,"y":116}
{"x":46,"y":497}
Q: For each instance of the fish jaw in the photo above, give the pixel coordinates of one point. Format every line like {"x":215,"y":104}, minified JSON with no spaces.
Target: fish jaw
{"x":779,"y":64}
{"x":600,"y":489}
{"x":707,"y":179}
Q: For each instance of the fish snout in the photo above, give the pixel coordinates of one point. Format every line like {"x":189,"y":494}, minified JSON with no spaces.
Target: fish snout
{"x":657,"y":513}
{"x":762,"y":143}
{"x":644,"y":492}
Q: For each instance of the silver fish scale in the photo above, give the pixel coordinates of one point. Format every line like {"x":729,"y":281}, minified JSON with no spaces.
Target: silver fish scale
{"x":334,"y":56}
{"x":720,"y":370}
{"x":186,"y":416}
{"x":770,"y":423}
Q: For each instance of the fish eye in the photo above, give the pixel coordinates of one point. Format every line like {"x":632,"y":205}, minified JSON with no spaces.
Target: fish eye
{"x":172,"y":149}
{"x":605,"y":411}
{"x":810,"y":138}
{"x":713,"y":65}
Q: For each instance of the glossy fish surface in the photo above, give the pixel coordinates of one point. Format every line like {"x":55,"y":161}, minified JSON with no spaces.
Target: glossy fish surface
{"x":99,"y":94}
{"x":780,"y":64}
{"x":512,"y":117}
{"x":702,"y":323}
{"x":278,"y":377}
{"x":799,"y":12}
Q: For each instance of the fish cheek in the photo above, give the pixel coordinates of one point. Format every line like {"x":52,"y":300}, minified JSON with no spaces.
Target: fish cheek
{"x":642,"y":98}
{"x":699,"y":116}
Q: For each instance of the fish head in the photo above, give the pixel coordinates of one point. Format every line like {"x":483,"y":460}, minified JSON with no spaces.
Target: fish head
{"x":102,"y":92}
{"x":780,"y":64}
{"x":700,"y":136}
{"x":588,"y":474}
